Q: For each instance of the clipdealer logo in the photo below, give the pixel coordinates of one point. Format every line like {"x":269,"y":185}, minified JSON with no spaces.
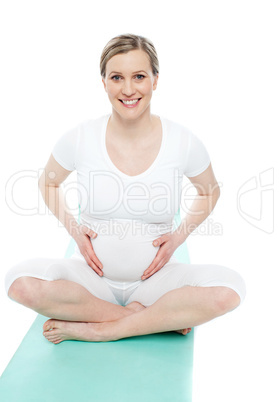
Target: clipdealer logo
{"x":255,"y":201}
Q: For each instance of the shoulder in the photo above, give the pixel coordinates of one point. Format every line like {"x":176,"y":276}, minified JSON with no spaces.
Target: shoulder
{"x":67,"y":147}
{"x":176,"y":128}
{"x":95,"y":121}
{"x":182,"y":133}
{"x":92,"y":126}
{"x":188,"y":147}
{"x":178,"y":136}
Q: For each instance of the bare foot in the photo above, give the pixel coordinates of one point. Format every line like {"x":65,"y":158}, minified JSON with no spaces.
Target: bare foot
{"x":57,"y":331}
{"x":137,"y":306}
{"x":184,"y":331}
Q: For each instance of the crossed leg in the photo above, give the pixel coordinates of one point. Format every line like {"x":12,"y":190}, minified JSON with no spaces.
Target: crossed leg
{"x":70,"y":305}
{"x":177,"y":296}
{"x":64,"y":300}
{"x":78,"y":314}
{"x":185,"y":307}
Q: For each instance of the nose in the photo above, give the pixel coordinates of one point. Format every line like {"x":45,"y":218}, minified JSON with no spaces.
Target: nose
{"x":128,"y":88}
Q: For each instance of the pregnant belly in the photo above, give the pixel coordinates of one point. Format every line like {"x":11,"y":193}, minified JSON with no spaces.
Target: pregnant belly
{"x":124,"y":259}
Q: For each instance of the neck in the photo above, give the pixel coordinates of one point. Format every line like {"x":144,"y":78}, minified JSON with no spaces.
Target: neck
{"x":131,"y":129}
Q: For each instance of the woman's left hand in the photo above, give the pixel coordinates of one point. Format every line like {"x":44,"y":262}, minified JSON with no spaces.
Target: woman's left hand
{"x":168,"y":244}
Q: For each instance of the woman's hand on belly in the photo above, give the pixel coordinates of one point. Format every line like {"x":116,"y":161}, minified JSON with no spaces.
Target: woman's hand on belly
{"x":167,"y":243}
{"x":82,"y":238}
{"x":125,"y":259}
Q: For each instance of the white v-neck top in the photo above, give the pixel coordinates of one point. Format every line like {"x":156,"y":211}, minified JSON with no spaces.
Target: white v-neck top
{"x":106,"y":194}
{"x":114,"y":168}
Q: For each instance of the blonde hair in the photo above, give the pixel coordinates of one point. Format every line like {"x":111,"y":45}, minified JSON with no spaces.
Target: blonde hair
{"x":124,"y":44}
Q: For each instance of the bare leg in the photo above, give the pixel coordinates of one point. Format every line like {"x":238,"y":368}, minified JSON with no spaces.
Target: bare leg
{"x":65,"y":300}
{"x":185,"y":307}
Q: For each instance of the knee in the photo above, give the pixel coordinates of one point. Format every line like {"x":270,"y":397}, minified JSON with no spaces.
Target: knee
{"x":22,"y":291}
{"x":226,"y":300}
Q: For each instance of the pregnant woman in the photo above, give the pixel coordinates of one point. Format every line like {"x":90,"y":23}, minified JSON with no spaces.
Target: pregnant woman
{"x":123,"y":279}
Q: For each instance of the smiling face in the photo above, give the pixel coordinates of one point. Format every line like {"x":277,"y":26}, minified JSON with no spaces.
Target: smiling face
{"x":129,"y":83}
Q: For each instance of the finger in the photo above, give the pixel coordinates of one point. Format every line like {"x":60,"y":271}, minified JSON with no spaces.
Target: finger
{"x":155,"y":263}
{"x":157,"y":258}
{"x":157,"y":242}
{"x":95,"y":259}
{"x":150,"y":272}
{"x":89,"y":232}
{"x":160,"y":240}
{"x":91,"y":254}
{"x":151,"y":267}
{"x":93,"y":266}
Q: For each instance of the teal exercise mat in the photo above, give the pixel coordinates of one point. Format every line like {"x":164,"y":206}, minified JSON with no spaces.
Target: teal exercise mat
{"x":156,"y":367}
{"x":151,"y":368}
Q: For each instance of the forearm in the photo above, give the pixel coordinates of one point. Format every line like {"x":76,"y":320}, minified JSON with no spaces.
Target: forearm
{"x":200,"y":209}
{"x":54,"y":199}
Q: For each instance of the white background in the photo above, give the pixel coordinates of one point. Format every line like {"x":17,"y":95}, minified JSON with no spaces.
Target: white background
{"x":219,"y":77}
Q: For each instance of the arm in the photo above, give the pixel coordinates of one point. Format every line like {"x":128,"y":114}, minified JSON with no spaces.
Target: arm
{"x":208,"y":193}
{"x":204,"y":203}
{"x":49,"y":184}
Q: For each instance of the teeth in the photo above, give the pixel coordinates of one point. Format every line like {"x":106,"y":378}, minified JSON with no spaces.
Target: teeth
{"x":130,"y":102}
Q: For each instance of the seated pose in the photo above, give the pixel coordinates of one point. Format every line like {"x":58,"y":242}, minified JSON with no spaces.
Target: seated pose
{"x":123,"y":279}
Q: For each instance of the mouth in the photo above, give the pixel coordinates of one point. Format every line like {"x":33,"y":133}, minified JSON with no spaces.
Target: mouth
{"x":130,"y":103}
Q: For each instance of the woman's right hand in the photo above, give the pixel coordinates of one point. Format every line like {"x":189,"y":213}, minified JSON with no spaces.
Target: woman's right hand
{"x":82,"y":238}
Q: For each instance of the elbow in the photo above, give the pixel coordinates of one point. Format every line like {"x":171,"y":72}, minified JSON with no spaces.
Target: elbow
{"x":41,"y":181}
{"x":216,"y":195}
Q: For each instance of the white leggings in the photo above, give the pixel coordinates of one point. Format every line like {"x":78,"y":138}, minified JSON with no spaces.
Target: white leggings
{"x":171,"y":276}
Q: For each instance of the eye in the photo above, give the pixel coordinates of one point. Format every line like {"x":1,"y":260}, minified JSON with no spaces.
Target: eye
{"x":139,"y":77}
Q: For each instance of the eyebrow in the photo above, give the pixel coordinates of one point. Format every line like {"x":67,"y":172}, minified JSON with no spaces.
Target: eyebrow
{"x":117,"y":72}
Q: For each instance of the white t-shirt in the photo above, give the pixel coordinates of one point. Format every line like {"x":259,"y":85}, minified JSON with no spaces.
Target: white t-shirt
{"x":105,"y":193}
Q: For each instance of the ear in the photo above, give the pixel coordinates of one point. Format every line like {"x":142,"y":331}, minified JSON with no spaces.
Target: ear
{"x":155,"y":82}
{"x":103,"y":81}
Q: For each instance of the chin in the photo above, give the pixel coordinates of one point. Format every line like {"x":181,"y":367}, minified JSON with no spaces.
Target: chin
{"x":131,"y":114}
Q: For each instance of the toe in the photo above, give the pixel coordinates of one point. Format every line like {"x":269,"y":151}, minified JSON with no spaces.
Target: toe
{"x":48,"y":325}
{"x":53,"y":338}
{"x":184,"y":331}
{"x":51,"y":334}
{"x":48,"y":336}
{"x":57,"y":338}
